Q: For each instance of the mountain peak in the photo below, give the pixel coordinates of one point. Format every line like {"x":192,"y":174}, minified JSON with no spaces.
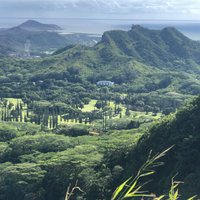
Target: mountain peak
{"x":33,"y":25}
{"x":30,"y":21}
{"x":170,"y":29}
{"x":153,"y":47}
{"x":137,"y":27}
{"x":171,"y":33}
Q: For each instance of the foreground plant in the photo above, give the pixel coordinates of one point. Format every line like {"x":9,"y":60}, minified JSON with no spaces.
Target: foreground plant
{"x":132,"y":188}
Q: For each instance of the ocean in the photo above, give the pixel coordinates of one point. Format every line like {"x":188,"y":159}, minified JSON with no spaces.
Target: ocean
{"x":98,"y":26}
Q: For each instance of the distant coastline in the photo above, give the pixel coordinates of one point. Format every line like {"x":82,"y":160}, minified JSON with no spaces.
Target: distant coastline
{"x":191,"y":28}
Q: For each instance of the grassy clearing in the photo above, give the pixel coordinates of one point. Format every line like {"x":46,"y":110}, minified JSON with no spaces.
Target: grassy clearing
{"x":90,"y":107}
{"x":14,"y":101}
{"x":149,"y":115}
{"x":142,"y":117}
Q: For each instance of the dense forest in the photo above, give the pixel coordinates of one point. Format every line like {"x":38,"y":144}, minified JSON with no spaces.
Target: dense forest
{"x":91,"y":115}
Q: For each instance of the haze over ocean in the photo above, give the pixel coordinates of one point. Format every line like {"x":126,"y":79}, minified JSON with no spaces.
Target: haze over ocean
{"x":191,"y":28}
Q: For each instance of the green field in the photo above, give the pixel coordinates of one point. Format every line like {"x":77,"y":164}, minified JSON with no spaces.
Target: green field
{"x":90,"y":107}
{"x":96,"y":125}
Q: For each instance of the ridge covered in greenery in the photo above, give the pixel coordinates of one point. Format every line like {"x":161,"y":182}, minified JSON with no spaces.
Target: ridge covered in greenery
{"x":59,"y":126}
{"x":144,"y":74}
{"x":161,"y":48}
{"x":181,"y":130}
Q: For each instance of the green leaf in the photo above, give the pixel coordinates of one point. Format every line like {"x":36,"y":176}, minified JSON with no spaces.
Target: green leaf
{"x":159,"y":198}
{"x":192,"y":198}
{"x":119,"y":189}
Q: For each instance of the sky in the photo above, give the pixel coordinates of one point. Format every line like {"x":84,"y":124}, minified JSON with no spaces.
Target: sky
{"x":102,"y":9}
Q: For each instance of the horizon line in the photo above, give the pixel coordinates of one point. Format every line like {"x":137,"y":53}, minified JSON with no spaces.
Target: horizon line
{"x":113,"y":19}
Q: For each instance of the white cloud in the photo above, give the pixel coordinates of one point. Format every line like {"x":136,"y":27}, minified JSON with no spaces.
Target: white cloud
{"x":82,"y":8}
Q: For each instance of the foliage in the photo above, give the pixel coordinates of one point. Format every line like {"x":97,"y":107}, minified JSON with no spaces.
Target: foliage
{"x":154,"y":72}
{"x":40,"y":165}
{"x":182,"y":130}
{"x":131,"y":187}
{"x":70,"y":75}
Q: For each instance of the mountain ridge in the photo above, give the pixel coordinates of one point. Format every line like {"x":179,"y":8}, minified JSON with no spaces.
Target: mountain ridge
{"x":32,"y":25}
{"x":152,"y":46}
{"x":153,"y":70}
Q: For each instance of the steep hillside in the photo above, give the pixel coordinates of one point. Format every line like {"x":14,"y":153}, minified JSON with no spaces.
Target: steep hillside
{"x":161,"y":48}
{"x":183,"y":131}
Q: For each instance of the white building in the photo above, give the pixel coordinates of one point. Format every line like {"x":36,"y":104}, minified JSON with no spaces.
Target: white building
{"x":105,"y":83}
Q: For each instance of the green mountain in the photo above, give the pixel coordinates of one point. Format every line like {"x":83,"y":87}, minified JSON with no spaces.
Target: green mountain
{"x":143,"y":63}
{"x":154,"y":72}
{"x":16,"y":38}
{"x":41,"y":38}
{"x":32,"y":25}
{"x":160,"y":48}
{"x":4,"y":50}
{"x":182,"y":162}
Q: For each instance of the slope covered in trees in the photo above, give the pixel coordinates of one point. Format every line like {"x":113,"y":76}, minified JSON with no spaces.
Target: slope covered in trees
{"x":161,"y":48}
{"x":154,"y":71}
{"x":135,"y":61}
{"x":181,"y":130}
{"x":40,"y":165}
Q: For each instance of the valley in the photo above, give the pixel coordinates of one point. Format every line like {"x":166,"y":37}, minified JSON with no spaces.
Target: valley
{"x":59,"y":125}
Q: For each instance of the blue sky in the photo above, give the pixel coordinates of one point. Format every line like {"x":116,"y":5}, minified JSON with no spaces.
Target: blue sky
{"x":115,"y":9}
